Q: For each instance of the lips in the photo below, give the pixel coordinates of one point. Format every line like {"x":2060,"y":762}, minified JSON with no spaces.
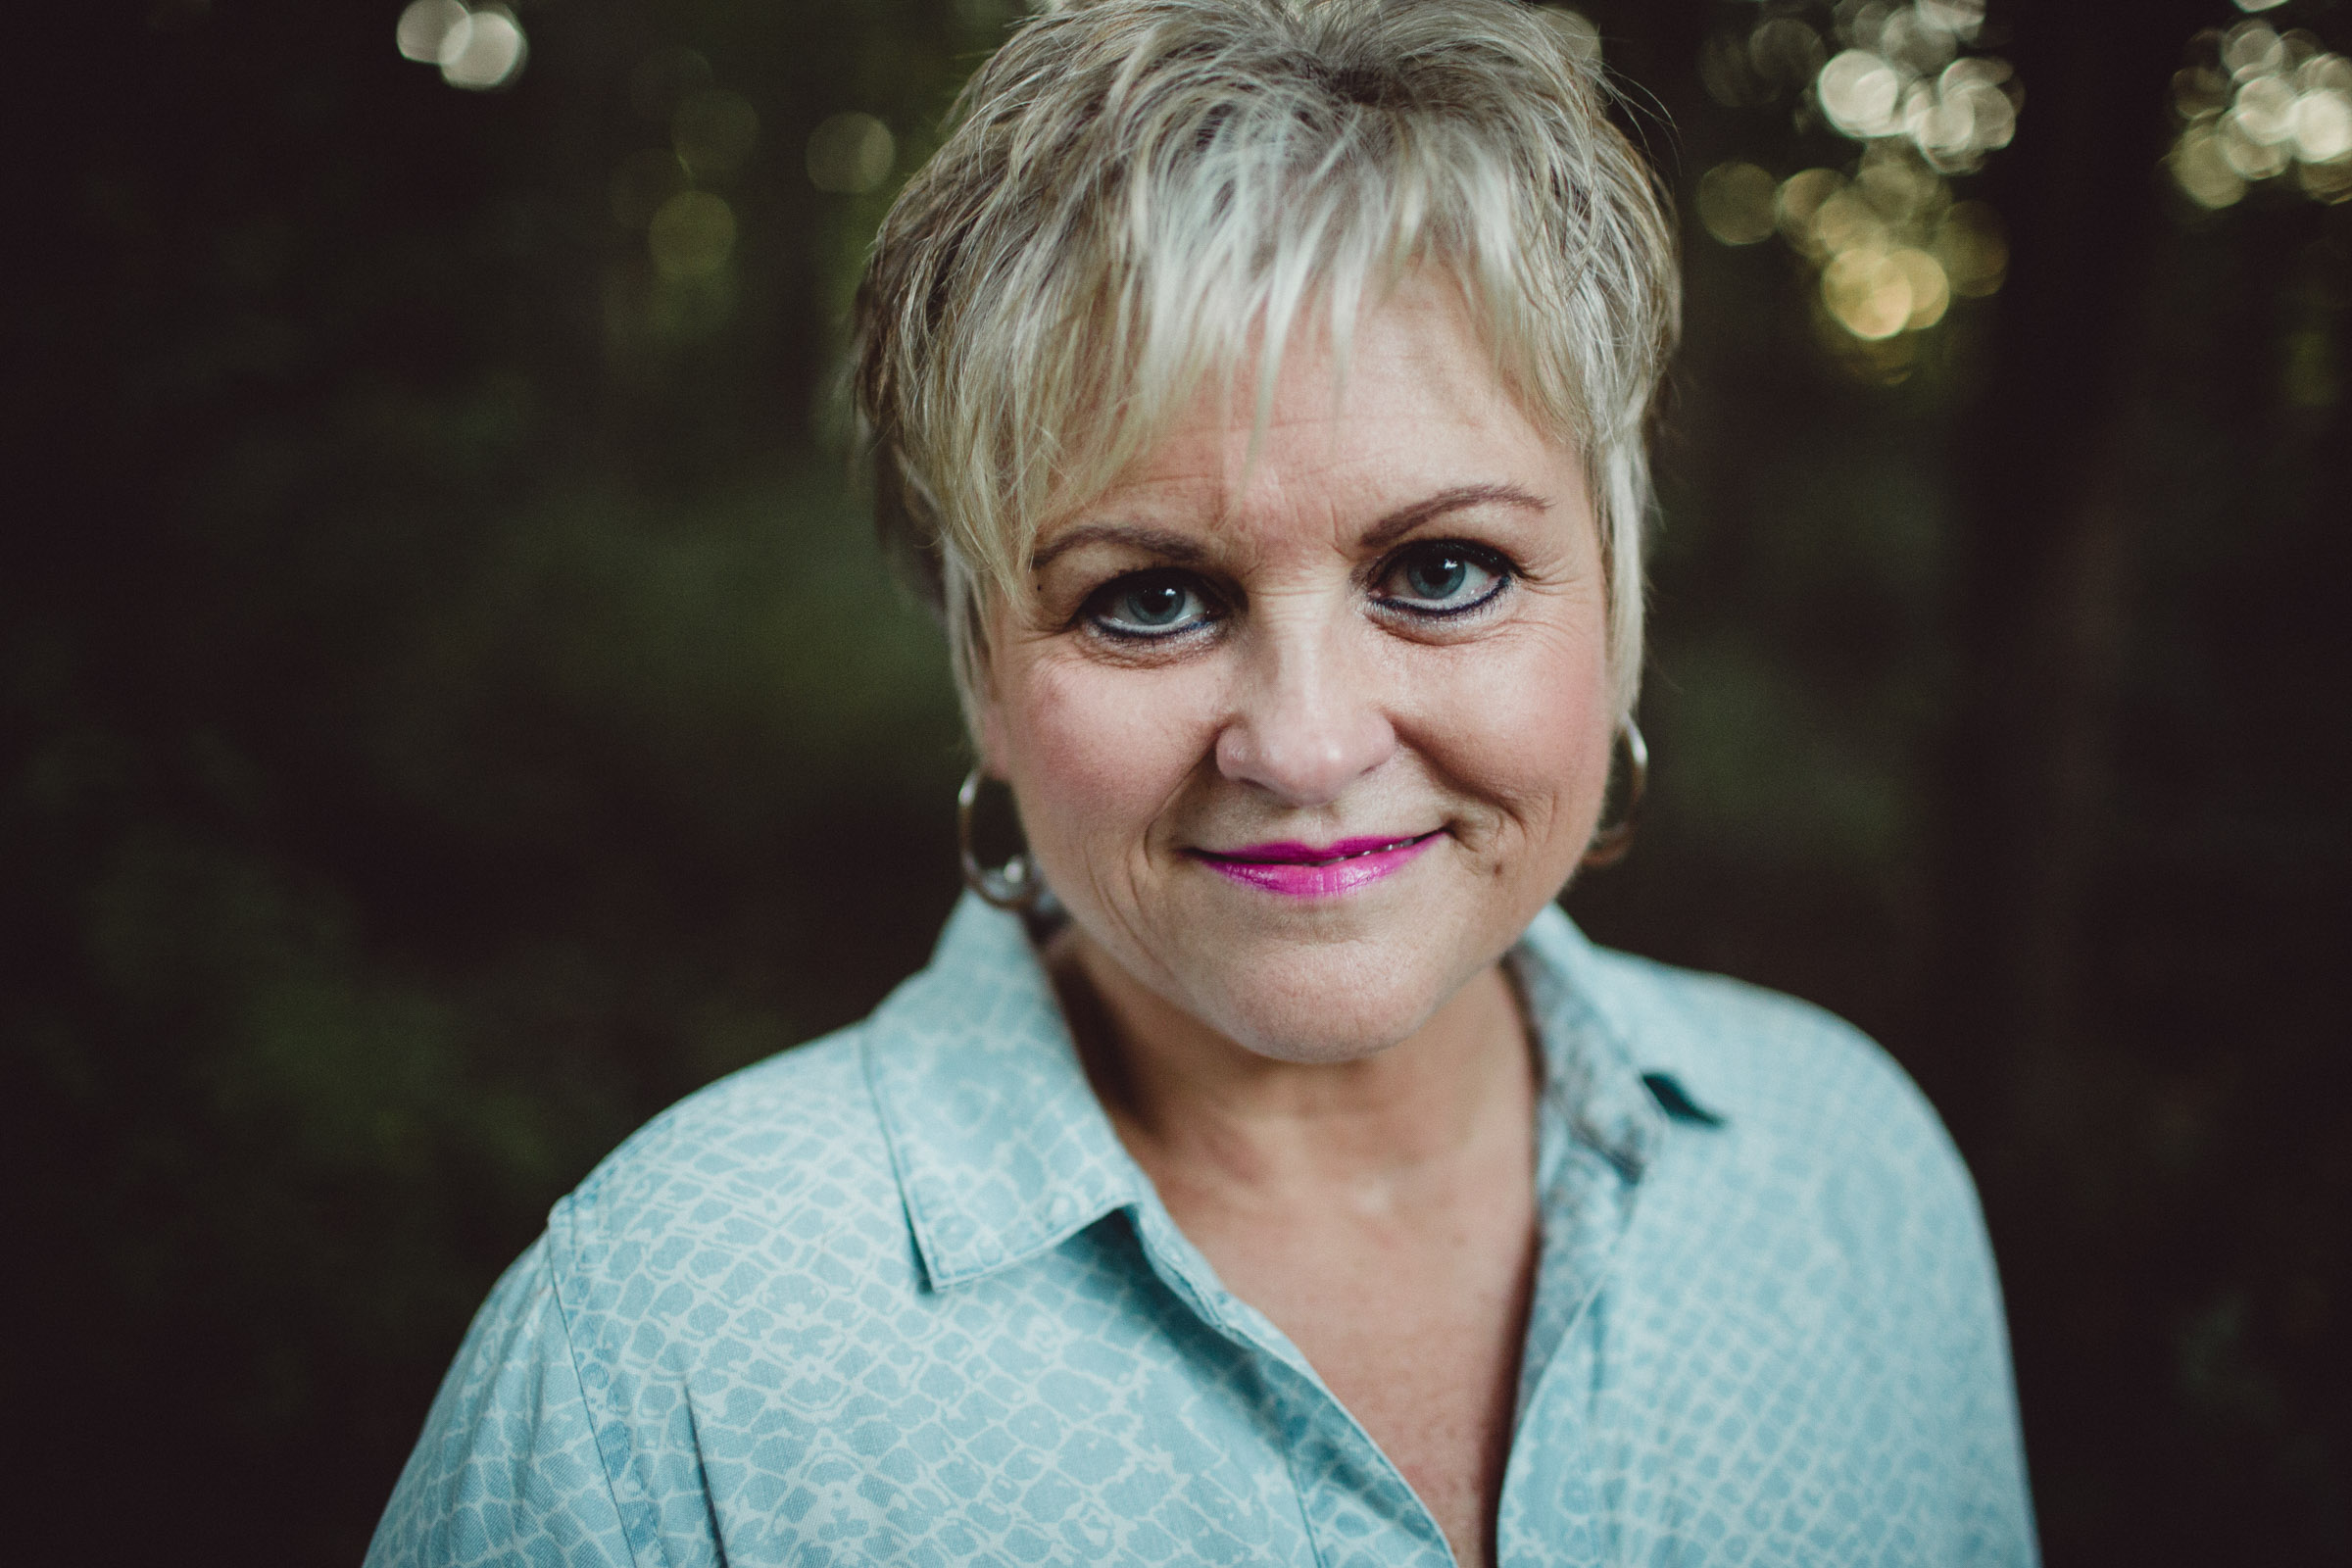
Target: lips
{"x":1317,"y":870}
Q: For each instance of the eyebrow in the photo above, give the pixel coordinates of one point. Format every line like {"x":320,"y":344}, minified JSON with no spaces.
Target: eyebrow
{"x":1184,"y":550}
{"x":1176,"y":547}
{"x":1404,"y":520}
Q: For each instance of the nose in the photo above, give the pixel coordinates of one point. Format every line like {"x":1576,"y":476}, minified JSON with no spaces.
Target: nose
{"x":1305,"y":721}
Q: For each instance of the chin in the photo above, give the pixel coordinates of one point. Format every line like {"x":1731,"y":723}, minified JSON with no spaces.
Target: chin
{"x":1317,"y":1001}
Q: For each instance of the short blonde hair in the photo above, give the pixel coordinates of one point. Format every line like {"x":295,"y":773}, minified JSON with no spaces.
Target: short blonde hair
{"x":1135,"y":195}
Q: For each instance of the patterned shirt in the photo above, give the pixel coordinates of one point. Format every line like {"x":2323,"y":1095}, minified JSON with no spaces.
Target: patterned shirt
{"x":901,"y":1297}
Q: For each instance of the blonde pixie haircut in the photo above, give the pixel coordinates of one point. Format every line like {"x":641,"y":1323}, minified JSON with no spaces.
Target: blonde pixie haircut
{"x":1137,"y":196}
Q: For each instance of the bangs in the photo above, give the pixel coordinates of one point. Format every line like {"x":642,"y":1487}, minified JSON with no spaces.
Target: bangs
{"x":1144,"y":198}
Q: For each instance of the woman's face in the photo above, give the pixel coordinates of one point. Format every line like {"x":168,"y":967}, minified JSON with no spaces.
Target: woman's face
{"x":1304,"y":742}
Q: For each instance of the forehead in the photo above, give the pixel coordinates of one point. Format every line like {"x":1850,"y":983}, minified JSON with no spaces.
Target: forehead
{"x":1409,"y":404}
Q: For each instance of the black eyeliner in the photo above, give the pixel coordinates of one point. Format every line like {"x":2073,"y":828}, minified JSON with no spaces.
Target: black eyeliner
{"x":1090,"y":616}
{"x":1506,"y":573}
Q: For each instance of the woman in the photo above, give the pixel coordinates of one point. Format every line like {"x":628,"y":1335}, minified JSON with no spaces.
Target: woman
{"x":1260,"y":385}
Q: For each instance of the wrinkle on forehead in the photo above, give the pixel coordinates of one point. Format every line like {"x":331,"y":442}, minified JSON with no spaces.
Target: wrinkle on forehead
{"x":1233,"y":457}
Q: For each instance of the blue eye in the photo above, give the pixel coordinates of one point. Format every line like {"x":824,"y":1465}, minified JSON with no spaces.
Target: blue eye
{"x":1443,"y":578}
{"x":1149,"y":605}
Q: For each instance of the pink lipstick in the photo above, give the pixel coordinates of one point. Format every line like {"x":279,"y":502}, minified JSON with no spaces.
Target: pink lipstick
{"x":1315,"y":871}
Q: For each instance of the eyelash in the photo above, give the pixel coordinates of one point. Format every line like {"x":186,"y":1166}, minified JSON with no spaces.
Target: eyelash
{"x":1093,"y":611}
{"x":1484,"y":557}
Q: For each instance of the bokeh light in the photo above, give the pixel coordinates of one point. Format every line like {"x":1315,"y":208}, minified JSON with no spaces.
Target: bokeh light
{"x":1973,"y":249}
{"x":2321,"y":123}
{"x":1876,"y":293}
{"x":670,"y":195}
{"x":1893,"y":248}
{"x":713,"y":131}
{"x":691,"y":235}
{"x":1903,"y":74}
{"x":1861,"y":93}
{"x":1892,"y":244}
{"x":2256,"y":105}
{"x":1743,"y":67}
{"x":422,"y":27}
{"x":643,"y":182}
{"x":851,"y":154}
{"x":477,"y":48}
{"x":1735,"y":202}
{"x":1799,"y":200}
{"x":1870,"y":70}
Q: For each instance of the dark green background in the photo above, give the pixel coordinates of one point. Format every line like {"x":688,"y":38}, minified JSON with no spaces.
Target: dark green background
{"x":449,"y":715}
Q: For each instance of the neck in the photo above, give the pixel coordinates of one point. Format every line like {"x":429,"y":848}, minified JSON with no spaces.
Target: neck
{"x":1183,"y":1096}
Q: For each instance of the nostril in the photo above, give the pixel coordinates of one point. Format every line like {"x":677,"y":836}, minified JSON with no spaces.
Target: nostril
{"x":1300,"y":761}
{"x":1308,"y":720}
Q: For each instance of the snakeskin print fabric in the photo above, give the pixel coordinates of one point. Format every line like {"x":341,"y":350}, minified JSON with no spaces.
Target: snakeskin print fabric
{"x":900,"y":1297}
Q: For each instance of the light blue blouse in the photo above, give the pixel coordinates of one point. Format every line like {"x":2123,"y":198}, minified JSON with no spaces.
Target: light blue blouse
{"x":901,"y":1297}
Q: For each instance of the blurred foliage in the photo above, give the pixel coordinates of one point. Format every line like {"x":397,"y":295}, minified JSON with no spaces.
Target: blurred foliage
{"x":453,"y":708}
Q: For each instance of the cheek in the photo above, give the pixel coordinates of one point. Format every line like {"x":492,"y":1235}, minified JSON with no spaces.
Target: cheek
{"x":1524,"y":722}
{"x":1093,"y":754}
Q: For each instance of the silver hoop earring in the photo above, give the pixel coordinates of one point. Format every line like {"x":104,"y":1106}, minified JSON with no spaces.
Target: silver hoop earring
{"x":1015,"y":885}
{"x":1611,"y":844}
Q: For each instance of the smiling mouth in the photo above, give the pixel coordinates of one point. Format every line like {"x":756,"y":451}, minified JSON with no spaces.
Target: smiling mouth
{"x":1317,"y":870}
{"x":1292,"y":852}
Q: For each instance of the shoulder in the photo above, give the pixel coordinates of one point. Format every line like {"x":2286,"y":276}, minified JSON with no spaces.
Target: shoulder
{"x":1759,"y":1056}
{"x":1810,"y":1254}
{"x":747,"y":1224}
{"x":791,"y":1147}
{"x":1828,"y":1193}
{"x":1826,"y":1229}
{"x":1811,"y":1106}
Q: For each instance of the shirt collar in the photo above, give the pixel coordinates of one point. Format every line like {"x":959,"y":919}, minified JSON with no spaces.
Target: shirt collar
{"x":1591,"y":1075}
{"x":1002,"y":1150}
